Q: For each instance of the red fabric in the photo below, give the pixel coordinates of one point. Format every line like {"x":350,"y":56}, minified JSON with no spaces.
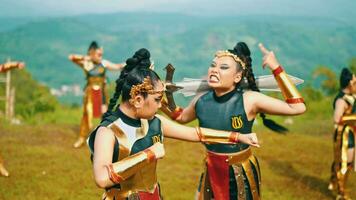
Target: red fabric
{"x":150,"y":155}
{"x":176,"y":113}
{"x":97,"y":99}
{"x":295,"y":100}
{"x":149,"y":196}
{"x":234,"y":137}
{"x":277,"y":71}
{"x":218,"y":170}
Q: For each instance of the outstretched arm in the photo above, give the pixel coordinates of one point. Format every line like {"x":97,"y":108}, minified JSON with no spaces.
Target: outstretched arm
{"x":294,"y":103}
{"x":205,"y":135}
{"x":112,"y":66}
{"x":181,"y":115}
{"x":77,"y":59}
{"x":11,"y":65}
{"x":107,"y":173}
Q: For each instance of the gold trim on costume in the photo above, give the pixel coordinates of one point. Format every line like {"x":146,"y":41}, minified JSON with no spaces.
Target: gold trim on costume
{"x":288,"y":88}
{"x":130,"y":165}
{"x":211,"y":136}
{"x":244,"y":161}
{"x":205,"y":192}
{"x":143,"y":130}
{"x":223,"y":53}
{"x":349,"y":119}
{"x":255,"y":163}
{"x":124,"y":148}
{"x":238,"y":171}
{"x":251,"y":179}
{"x":289,"y":91}
{"x":137,"y":171}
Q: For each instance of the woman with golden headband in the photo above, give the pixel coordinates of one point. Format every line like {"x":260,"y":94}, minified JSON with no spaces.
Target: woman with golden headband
{"x":344,"y":138}
{"x":126,"y":145}
{"x":232,"y":172}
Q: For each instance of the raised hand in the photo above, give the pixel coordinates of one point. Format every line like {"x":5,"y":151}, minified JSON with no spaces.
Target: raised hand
{"x":269,"y":59}
{"x":21,"y":65}
{"x":250,"y":139}
{"x":158,"y":150}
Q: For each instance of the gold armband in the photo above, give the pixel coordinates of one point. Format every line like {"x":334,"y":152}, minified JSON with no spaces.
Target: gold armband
{"x":123,"y":169}
{"x":289,"y":91}
{"x":173,"y":114}
{"x":348,"y":119}
{"x":216,"y":136}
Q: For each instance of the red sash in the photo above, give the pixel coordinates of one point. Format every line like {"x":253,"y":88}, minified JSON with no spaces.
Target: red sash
{"x":149,"y":196}
{"x":218,"y":170}
{"x":97,"y":100}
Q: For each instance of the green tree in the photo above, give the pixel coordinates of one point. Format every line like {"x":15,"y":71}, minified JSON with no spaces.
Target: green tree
{"x":352,"y":65}
{"x":329,"y":83}
{"x":31,"y":96}
{"x":311,"y":94}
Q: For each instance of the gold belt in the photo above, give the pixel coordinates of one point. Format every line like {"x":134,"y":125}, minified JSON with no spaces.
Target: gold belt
{"x":96,"y":80}
{"x":237,"y":157}
{"x":240,"y":157}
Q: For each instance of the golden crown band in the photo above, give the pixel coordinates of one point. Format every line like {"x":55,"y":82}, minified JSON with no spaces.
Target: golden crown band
{"x":223,"y":53}
{"x":145,"y":87}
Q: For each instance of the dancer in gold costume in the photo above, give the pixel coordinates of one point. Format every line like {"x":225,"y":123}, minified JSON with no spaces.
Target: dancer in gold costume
{"x":231,"y":170}
{"x":95,"y":93}
{"x":344,"y":134}
{"x":127,"y":144}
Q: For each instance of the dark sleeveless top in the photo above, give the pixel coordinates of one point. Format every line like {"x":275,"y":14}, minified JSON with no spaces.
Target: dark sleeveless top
{"x":154,"y":132}
{"x":98,"y":71}
{"x":223,"y":113}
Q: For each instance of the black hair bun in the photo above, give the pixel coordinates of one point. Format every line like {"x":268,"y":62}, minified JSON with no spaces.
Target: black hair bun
{"x":142,"y":54}
{"x":241,"y":48}
{"x":93,"y":45}
{"x":345,"y":77}
{"x":141,"y":59}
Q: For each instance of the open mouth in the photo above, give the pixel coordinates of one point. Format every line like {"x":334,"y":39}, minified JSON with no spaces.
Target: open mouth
{"x":213,"y":79}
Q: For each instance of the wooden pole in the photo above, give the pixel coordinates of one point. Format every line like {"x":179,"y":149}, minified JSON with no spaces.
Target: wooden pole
{"x":12,"y":104}
{"x":8,"y":95}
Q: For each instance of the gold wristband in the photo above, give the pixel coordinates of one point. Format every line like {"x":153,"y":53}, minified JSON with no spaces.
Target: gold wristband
{"x":234,"y":137}
{"x":150,"y":155}
{"x":130,"y":165}
{"x":289,"y":91}
{"x":212,"y":136}
{"x":112,"y":175}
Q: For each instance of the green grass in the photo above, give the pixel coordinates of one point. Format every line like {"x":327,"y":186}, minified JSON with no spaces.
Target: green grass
{"x":43,"y":164}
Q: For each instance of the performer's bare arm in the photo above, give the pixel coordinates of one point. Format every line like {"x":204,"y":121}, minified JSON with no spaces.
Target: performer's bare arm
{"x":121,"y":170}
{"x":181,"y":115}
{"x":255,"y":102}
{"x":113,"y":66}
{"x":77,"y":59}
{"x":188,"y":113}
{"x":340,"y":107}
{"x":11,"y":65}
{"x":177,"y":131}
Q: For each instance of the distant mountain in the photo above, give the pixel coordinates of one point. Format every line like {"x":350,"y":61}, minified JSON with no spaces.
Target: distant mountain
{"x":187,"y":42}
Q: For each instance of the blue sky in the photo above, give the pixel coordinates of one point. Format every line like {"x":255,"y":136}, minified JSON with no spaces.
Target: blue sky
{"x":324,"y":8}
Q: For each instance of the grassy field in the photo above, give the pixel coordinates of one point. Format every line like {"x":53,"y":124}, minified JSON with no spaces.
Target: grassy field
{"x":43,"y":164}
